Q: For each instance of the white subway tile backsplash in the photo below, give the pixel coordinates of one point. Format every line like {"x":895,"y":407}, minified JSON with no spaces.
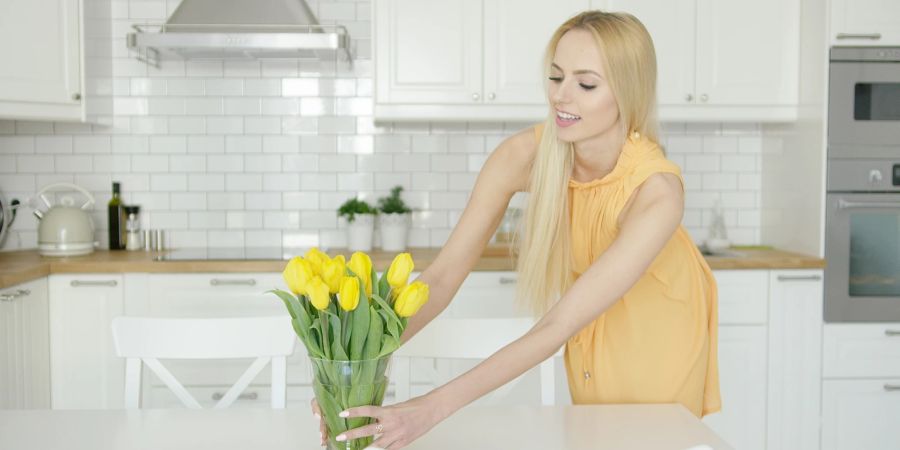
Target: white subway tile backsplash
{"x":262,"y":87}
{"x":168,"y":144}
{"x":702,"y":163}
{"x":462,"y":181}
{"x":188,"y":239}
{"x":53,"y":144}
{"x":74,"y":164}
{"x":207,"y":220}
{"x":149,"y":125}
{"x":202,"y":68}
{"x":392,"y":144}
{"x":337,"y":125}
{"x":280,"y":106}
{"x":243,"y":220}
{"x":36,"y":164}
{"x":251,"y":106}
{"x":197,"y":106}
{"x":168,"y":220}
{"x":429,"y":181}
{"x":318,"y":182}
{"x":147,"y":87}
{"x":429,"y":144}
{"x":300,"y":87}
{"x":466,"y":144}
{"x":72,"y":128}
{"x":281,"y":182}
{"x":449,"y":163}
{"x":217,"y":201}
{"x":185,"y":87}
{"x":243,"y":182}
{"x":17,"y":144}
{"x":412,"y":163}
{"x":262,"y":125}
{"x":356,"y":182}
{"x":7,"y":127}
{"x":720,"y":144}
{"x":167,"y":106}
{"x":375,"y":164}
{"x":448,"y":200}
{"x":281,"y":220}
{"x":300,"y":163}
{"x":225,"y":125}
{"x":299,"y":125}
{"x":338,"y":87}
{"x":19,"y":183}
{"x":719,"y":181}
{"x":279,"y":68}
{"x":318,"y":219}
{"x":150,"y":163}
{"x":206,"y":144}
{"x":187,"y":125}
{"x":316,"y":106}
{"x":301,"y":200}
{"x":168,"y":183}
{"x":318,"y":144}
{"x":280,"y":144}
{"x":242,"y":68}
{"x":34,"y":127}
{"x":225,"y":163}
{"x":112,"y":163}
{"x":150,"y":202}
{"x":337,"y":163}
{"x":226,"y":239}
{"x":206,"y":182}
{"x":262,"y":201}
{"x":262,"y":238}
{"x":187,"y":201}
{"x":8,"y":164}
{"x":354,"y":107}
{"x":361,"y":145}
{"x":262,"y":163}
{"x":224,"y":87}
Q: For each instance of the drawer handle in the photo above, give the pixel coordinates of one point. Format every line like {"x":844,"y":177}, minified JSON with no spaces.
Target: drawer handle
{"x":891,"y":387}
{"x":245,"y":396}
{"x":14,"y":295}
{"x":79,"y":283}
{"x":799,"y":277}
{"x":892,"y":332}
{"x":507,"y":280}
{"x":873,"y":36}
{"x":218,"y":282}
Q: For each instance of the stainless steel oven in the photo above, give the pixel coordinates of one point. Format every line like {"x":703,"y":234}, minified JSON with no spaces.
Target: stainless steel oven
{"x":862,"y":214}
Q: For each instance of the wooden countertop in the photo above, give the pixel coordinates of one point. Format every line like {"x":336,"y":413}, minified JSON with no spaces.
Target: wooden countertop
{"x":22,"y":266}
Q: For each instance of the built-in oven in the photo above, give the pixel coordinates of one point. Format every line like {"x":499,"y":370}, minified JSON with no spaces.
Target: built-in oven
{"x":862,"y":213}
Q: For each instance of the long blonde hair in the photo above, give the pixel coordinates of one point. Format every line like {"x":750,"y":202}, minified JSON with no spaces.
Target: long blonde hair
{"x":544,"y":248}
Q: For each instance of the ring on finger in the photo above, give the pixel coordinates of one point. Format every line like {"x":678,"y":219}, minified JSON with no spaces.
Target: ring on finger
{"x":379,"y":428}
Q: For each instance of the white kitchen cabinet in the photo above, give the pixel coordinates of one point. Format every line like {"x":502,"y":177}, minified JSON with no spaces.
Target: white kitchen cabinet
{"x":716,"y":64}
{"x":860,"y":413}
{"x":464,"y":60}
{"x":85,"y":371}
{"x":861,"y":386}
{"x":795,"y":359}
{"x":41,"y":73}
{"x":865,"y":22}
{"x":24,"y":346}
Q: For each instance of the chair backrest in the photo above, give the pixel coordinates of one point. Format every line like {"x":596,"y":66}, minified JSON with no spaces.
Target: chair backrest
{"x":468,"y":339}
{"x":148,"y":339}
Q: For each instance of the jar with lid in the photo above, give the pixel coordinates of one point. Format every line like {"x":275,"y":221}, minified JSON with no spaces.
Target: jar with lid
{"x":132,"y":227}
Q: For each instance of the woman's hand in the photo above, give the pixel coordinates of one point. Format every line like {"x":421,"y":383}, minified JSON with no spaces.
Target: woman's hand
{"x":398,"y":424}
{"x":318,"y":413}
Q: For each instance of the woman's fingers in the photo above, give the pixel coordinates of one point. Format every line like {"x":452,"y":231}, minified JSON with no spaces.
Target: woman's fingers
{"x":356,"y":433}
{"x":318,"y":414}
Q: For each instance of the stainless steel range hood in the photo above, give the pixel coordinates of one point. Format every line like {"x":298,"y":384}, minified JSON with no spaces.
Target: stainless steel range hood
{"x":239,"y":29}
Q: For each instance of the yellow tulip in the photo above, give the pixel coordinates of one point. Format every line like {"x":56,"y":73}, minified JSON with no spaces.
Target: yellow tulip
{"x":317,"y":291}
{"x":317,"y":259}
{"x":398,"y":273}
{"x":349,"y":295}
{"x":411,"y":298}
{"x":361,"y":265}
{"x":332,"y":272}
{"x":297,"y":274}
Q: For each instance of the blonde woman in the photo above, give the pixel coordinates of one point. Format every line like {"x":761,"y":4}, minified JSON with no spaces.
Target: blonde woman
{"x":603,"y":260}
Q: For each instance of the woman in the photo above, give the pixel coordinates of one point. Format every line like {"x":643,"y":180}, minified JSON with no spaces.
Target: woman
{"x":636,"y":301}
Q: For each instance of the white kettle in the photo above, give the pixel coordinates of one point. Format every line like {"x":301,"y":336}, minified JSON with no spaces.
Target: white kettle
{"x":65,"y":229}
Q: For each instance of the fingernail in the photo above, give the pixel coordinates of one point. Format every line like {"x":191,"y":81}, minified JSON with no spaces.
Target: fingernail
{"x":341,"y":438}
{"x":344,"y":414}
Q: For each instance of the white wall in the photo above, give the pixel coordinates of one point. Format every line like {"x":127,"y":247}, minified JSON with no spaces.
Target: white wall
{"x":263,"y":153}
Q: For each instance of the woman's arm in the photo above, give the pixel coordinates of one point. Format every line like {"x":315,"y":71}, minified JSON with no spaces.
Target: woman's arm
{"x":647,"y":225}
{"x":504,"y":173}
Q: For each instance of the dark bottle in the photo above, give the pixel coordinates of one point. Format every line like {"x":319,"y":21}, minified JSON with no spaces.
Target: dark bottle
{"x":116,"y":220}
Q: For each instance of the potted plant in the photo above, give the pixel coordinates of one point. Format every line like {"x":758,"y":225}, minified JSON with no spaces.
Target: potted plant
{"x":360,"y":224}
{"x":393,"y":221}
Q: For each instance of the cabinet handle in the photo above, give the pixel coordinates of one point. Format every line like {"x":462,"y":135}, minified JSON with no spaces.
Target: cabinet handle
{"x":892,"y":333}
{"x":689,"y":98}
{"x":799,"y":277}
{"x":873,"y":36}
{"x":79,"y":283}
{"x":891,"y":387}
{"x":476,"y":96}
{"x":14,"y":295}
{"x":76,"y":96}
{"x":492,"y":96}
{"x":245,"y":396}
{"x":507,"y":280}
{"x":704,"y":98}
{"x":218,"y":282}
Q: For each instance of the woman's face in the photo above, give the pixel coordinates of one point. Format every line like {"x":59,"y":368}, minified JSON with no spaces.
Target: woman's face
{"x":579,"y":93}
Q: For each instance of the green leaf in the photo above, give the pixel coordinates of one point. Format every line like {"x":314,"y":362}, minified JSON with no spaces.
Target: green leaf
{"x":359,"y":328}
{"x":289,"y":301}
{"x":337,"y":348}
{"x":389,"y":346}
{"x":385,"y":307}
{"x":392,"y":327}
{"x":376,"y":331}
{"x":383,"y":286}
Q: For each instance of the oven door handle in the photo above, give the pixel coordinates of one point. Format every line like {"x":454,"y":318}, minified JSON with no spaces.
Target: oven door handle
{"x":844,"y":204}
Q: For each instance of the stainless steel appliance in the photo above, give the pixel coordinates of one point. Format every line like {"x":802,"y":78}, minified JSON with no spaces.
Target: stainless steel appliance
{"x":862,"y":221}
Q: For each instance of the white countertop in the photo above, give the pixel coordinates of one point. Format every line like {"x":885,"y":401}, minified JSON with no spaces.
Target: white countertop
{"x":593,"y":427}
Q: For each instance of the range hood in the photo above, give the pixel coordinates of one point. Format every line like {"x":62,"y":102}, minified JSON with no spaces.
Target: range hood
{"x":239,"y":29}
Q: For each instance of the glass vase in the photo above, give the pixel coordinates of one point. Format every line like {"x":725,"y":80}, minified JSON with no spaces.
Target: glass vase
{"x":340,"y":385}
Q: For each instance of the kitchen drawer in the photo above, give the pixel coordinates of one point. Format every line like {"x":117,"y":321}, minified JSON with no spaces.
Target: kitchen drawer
{"x":213,"y":295}
{"x":860,"y":414}
{"x":486,"y":295}
{"x":862,"y":350}
{"x":743,"y":296}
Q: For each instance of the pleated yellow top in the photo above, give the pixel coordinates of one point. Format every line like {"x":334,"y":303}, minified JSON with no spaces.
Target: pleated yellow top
{"x":658,"y":343}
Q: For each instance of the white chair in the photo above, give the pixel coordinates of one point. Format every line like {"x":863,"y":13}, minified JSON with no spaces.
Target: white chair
{"x":147,"y":340}
{"x":468,"y":339}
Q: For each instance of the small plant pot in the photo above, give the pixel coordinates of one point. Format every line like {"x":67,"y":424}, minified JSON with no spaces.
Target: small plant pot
{"x":394,"y":231}
{"x":360,"y":232}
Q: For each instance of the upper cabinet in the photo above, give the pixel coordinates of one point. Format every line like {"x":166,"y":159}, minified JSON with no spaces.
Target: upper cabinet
{"x":714,"y":64}
{"x":482,"y":59}
{"x":464,"y":60}
{"x":865,"y":22}
{"x":42,"y":74}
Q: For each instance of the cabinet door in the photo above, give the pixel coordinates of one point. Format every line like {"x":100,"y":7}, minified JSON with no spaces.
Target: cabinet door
{"x":737,"y":66}
{"x":428,"y":51}
{"x":671,"y":24}
{"x":795,"y":359}
{"x":25,"y":346}
{"x":85,"y":371}
{"x":40,"y":44}
{"x":865,"y":22}
{"x":860,"y":414}
{"x":516,"y":33}
{"x":9,"y":364}
{"x":742,"y":373}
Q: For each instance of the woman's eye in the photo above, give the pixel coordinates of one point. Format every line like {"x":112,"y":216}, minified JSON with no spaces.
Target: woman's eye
{"x":586,"y":87}
{"x":556,"y":79}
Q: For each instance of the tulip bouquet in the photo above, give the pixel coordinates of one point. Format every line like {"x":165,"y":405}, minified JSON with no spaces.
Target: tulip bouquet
{"x":350,"y":321}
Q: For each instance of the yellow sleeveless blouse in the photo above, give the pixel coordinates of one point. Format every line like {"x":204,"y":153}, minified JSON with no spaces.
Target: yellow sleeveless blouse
{"x":658,"y":343}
